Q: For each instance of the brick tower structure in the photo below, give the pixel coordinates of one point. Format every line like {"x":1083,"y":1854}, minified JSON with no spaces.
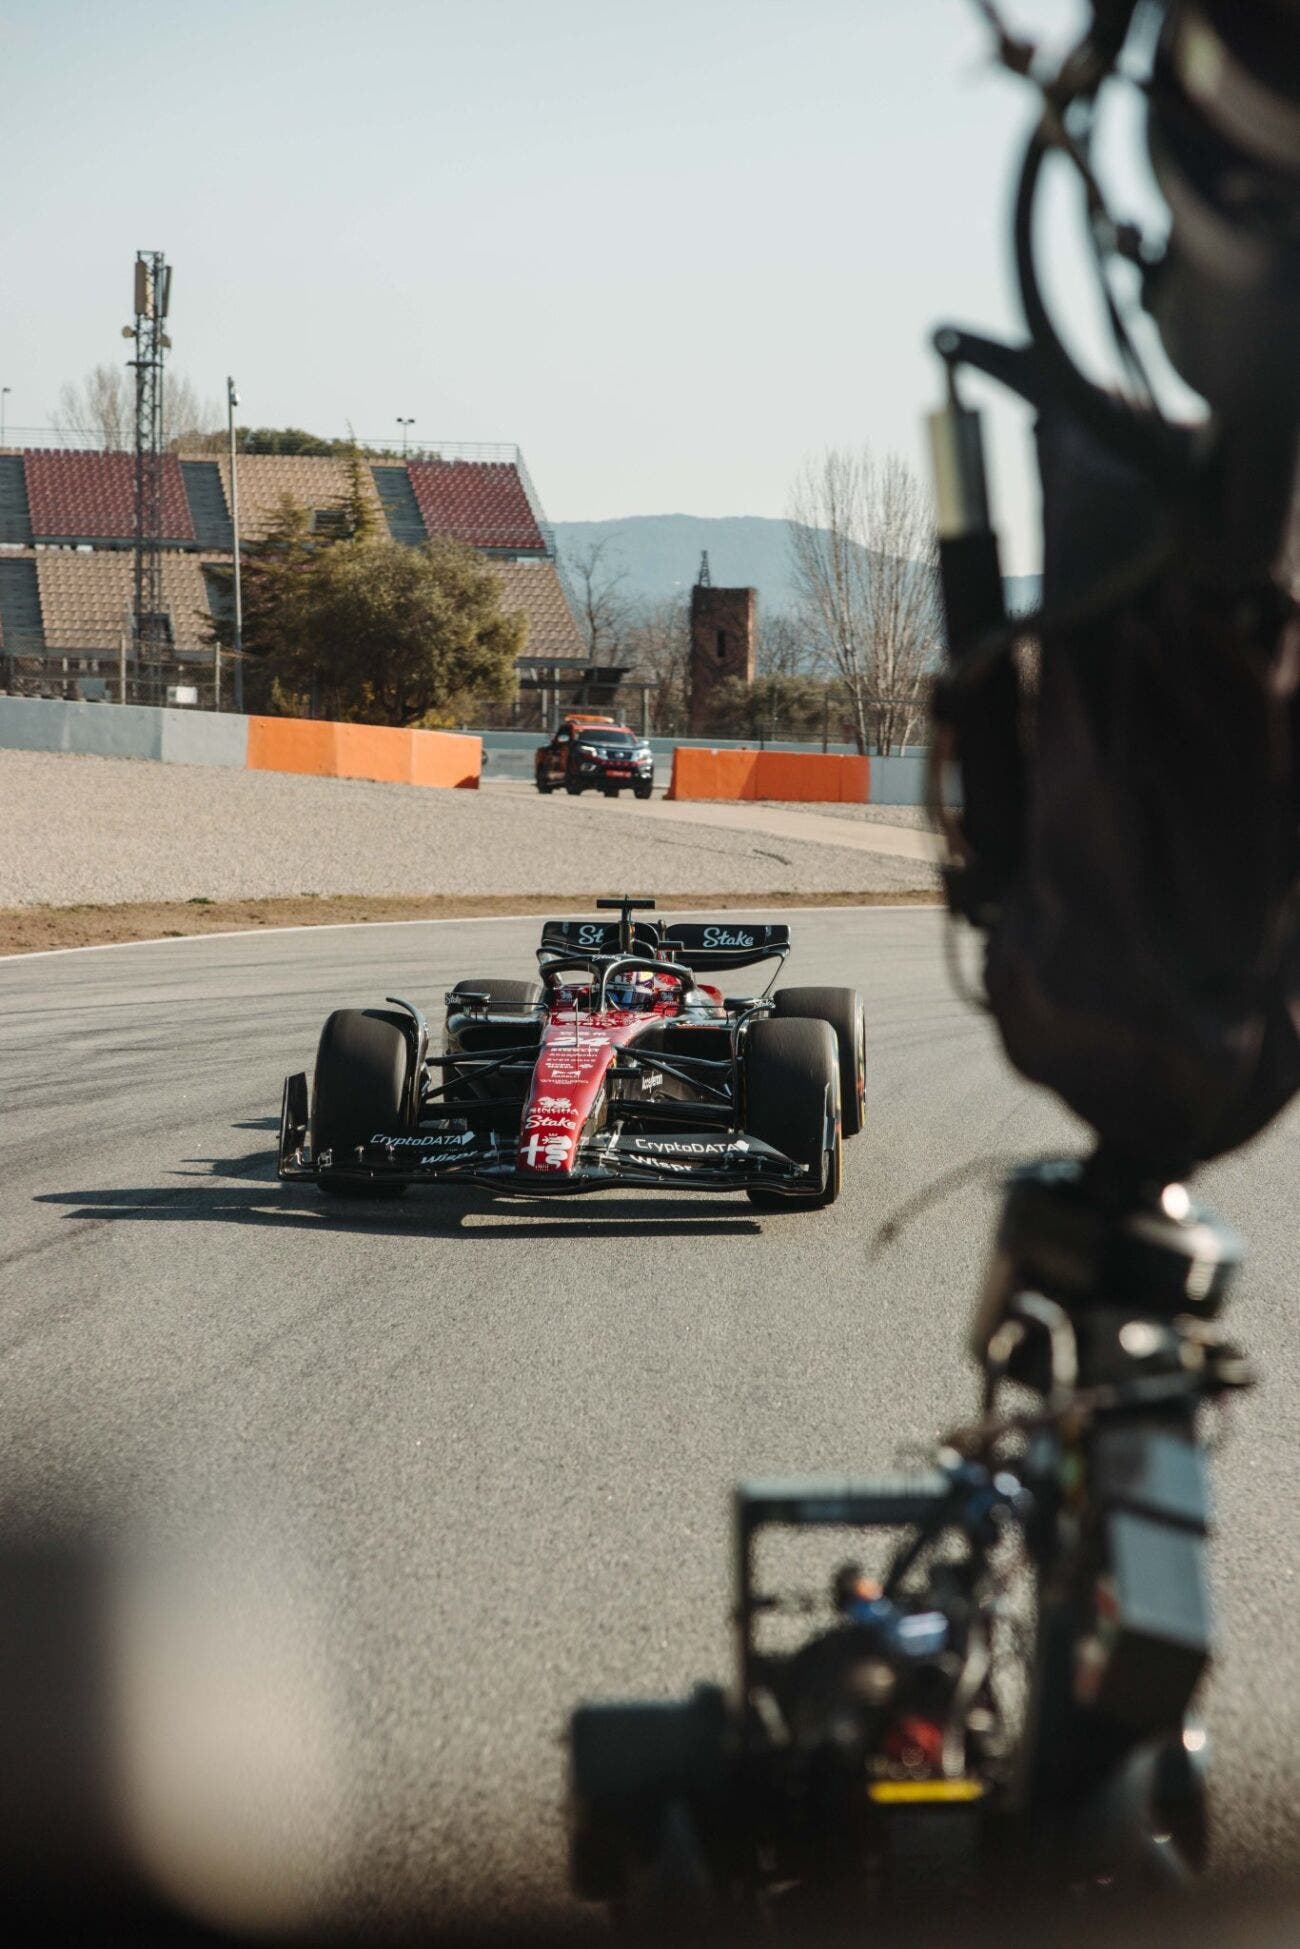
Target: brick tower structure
{"x":723,"y":628}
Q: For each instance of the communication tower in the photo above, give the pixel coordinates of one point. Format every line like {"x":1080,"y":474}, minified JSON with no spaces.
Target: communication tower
{"x":152,"y":629}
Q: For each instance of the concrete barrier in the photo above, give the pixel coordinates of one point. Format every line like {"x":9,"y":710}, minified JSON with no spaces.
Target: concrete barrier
{"x":102,"y":731}
{"x":179,"y":737}
{"x":813,"y":777}
{"x":901,"y":780}
{"x":201,"y":737}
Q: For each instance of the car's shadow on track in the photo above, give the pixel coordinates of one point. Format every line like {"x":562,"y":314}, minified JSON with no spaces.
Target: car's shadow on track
{"x":244,"y":1190}
{"x":603,"y":1214}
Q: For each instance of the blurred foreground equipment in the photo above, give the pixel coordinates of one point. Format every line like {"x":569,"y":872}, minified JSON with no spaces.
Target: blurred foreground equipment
{"x":1126,"y":837}
{"x":1009,"y":1700}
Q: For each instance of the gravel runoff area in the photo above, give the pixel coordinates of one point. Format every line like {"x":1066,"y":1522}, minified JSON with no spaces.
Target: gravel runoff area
{"x":915,"y":817}
{"x":104,"y":830}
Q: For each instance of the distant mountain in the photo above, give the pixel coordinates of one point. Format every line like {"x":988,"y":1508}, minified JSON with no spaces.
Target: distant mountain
{"x":659,"y":556}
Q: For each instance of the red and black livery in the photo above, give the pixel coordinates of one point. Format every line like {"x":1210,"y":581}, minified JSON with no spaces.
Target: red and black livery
{"x":619,"y":1064}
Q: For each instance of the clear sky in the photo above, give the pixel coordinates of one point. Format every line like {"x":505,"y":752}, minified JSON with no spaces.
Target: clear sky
{"x":668,"y":246}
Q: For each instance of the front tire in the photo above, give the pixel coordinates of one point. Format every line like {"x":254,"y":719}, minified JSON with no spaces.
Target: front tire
{"x":572,"y":787}
{"x":792,"y":1090}
{"x":644,"y":791}
{"x":544,"y":784}
{"x":360,"y":1087}
{"x":843,"y":1009}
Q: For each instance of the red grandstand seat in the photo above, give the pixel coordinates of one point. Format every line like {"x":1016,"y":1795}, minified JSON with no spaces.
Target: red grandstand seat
{"x":88,"y":497}
{"x":481,"y":502}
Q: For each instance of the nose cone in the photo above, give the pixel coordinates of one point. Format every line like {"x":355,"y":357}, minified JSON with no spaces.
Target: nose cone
{"x":566,"y":1082}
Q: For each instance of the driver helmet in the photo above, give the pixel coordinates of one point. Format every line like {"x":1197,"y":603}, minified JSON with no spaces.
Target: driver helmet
{"x":625,"y":992}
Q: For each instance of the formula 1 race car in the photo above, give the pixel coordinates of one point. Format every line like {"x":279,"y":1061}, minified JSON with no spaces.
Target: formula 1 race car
{"x":617,"y":1066}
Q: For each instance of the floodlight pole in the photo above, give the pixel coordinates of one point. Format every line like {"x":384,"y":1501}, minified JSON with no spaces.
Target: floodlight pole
{"x":405,"y":425}
{"x":4,"y":394}
{"x":232,"y":400}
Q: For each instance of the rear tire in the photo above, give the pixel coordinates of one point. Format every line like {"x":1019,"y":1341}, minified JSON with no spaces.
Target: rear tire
{"x":482,"y":1041}
{"x":362,"y":1064}
{"x":544,"y":784}
{"x":843,"y":1009}
{"x":572,"y":787}
{"x":792,"y":1079}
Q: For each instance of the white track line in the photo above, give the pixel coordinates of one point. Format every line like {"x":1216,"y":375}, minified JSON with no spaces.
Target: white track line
{"x":446,"y":920}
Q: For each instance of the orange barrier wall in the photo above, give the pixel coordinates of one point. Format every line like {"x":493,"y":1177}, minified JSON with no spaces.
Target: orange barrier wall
{"x":830,"y":778}
{"x":699,"y":774}
{"x":812,"y":776}
{"x":446,"y":758}
{"x":373,"y":751}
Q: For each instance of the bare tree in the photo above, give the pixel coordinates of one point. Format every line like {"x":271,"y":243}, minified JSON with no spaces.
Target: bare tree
{"x":785,"y":647}
{"x":99,"y":410}
{"x":659,"y":642}
{"x":603,"y":610}
{"x":865,"y":568}
{"x":188,"y":418}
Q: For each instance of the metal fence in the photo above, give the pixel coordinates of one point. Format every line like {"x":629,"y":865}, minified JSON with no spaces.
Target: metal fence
{"x":121,"y":673}
{"x":98,"y":439}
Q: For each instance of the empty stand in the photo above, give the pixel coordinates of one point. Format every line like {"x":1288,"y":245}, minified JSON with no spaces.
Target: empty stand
{"x":401,"y":509}
{"x":207,"y":503}
{"x":20,"y":606}
{"x":482,"y":502}
{"x":87,"y":598}
{"x":68,"y":597}
{"x":15,"y":515}
{"x":535,"y":588}
{"x":76,"y":497}
{"x":314,"y":481}
{"x":185,"y":592}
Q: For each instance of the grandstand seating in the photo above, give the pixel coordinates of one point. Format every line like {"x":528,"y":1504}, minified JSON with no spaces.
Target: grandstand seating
{"x":86,"y":598}
{"x":480,"y":502}
{"x":535,"y":588}
{"x":67,"y":522}
{"x":315,"y":481}
{"x":69,"y":497}
{"x":91,"y":497}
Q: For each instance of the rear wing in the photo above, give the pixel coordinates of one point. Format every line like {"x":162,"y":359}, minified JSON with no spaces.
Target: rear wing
{"x":707,"y":946}
{"x":595,"y":936}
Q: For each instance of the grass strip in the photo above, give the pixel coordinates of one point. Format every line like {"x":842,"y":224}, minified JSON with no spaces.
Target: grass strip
{"x":29,"y":930}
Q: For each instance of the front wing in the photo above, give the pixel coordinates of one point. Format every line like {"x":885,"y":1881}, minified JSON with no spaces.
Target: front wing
{"x":683,"y":1160}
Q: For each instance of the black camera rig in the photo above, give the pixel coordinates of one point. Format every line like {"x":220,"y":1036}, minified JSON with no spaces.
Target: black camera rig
{"x":1020,"y":1672}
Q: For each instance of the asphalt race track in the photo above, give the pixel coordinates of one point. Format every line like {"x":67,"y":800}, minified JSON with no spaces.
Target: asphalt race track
{"x":486,"y":1448}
